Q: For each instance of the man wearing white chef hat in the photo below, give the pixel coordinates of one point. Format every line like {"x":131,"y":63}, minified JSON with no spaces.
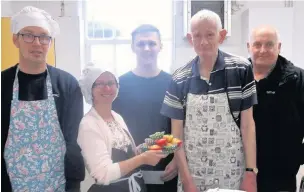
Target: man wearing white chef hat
{"x":41,"y":110}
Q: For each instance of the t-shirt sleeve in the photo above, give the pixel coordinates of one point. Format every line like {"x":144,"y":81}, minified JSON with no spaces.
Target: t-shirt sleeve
{"x":249,"y":94}
{"x":172,"y":106}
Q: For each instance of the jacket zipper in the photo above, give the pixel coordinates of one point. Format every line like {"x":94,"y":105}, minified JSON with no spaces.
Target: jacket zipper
{"x":286,"y":79}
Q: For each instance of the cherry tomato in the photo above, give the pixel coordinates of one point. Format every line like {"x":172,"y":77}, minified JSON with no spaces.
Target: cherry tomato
{"x":161,"y":142}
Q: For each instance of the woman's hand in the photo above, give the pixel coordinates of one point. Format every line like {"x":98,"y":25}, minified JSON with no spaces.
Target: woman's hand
{"x":152,"y":157}
{"x":137,"y":150}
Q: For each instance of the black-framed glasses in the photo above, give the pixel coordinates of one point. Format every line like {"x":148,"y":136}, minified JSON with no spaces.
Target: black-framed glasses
{"x":30,"y":38}
{"x":103,"y":84}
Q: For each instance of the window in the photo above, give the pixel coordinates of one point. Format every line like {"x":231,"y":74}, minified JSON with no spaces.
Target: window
{"x":109,"y":25}
{"x":121,"y":59}
{"x":221,"y":7}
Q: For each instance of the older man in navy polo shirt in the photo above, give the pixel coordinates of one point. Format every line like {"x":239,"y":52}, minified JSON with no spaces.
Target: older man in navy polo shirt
{"x":210,"y":103}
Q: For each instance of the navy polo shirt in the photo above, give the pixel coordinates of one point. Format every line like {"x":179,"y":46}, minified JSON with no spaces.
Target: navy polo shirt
{"x":231,"y":74}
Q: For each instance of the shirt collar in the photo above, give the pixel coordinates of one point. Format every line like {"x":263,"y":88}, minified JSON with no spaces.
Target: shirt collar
{"x":219,"y":64}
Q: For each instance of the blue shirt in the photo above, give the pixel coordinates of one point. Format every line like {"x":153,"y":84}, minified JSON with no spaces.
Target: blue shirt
{"x":231,"y":74}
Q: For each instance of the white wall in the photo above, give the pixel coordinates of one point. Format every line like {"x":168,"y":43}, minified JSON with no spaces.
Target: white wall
{"x":183,"y":50}
{"x":257,"y":16}
{"x":297,"y":33}
{"x":69,"y":43}
{"x":237,"y":43}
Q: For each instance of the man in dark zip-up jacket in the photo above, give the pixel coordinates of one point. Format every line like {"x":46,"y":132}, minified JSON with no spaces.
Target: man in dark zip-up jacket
{"x":279,"y":114}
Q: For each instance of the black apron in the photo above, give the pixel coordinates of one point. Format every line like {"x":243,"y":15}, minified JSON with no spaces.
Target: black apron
{"x":121,"y":186}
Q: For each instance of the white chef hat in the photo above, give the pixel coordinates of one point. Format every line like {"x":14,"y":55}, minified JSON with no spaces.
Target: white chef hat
{"x":89,"y":75}
{"x":32,"y":16}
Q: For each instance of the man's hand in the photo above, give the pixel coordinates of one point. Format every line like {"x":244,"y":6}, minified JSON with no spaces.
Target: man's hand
{"x":249,"y":182}
{"x":170,"y":171}
{"x":248,"y":137}
{"x":189,"y":186}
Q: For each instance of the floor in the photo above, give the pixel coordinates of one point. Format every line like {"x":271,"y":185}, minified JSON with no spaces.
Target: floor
{"x":89,"y":181}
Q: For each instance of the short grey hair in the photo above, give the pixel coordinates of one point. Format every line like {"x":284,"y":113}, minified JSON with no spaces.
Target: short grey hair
{"x":206,"y":14}
{"x":265,"y":27}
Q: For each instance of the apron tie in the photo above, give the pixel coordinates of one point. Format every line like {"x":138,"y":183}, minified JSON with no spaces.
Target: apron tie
{"x":133,"y":185}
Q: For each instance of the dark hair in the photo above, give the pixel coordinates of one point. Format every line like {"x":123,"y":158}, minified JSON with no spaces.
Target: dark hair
{"x":145,"y":28}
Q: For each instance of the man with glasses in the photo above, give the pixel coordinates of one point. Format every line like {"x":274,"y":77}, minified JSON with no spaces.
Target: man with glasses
{"x":30,"y":38}
{"x":40,"y":113}
{"x":139,"y":100}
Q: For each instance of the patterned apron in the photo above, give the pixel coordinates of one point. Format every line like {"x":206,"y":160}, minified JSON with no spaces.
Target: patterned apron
{"x":35,"y":147}
{"x":213,"y":144}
